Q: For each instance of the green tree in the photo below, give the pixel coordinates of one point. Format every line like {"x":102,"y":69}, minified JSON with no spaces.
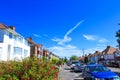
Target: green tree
{"x":65,"y":59}
{"x":118,"y":36}
{"x":86,"y":59}
{"x":73,"y":57}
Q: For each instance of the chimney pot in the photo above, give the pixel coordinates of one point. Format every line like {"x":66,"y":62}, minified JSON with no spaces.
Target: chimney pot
{"x":12,"y":27}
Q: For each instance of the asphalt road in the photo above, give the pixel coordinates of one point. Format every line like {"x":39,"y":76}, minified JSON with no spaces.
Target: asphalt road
{"x":67,"y":74}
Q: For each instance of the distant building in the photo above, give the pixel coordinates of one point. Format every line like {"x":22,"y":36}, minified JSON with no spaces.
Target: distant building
{"x":35,"y":49}
{"x":12,"y":45}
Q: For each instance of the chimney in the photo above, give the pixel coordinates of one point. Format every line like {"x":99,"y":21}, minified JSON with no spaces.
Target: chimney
{"x":108,"y":46}
{"x":30,"y":38}
{"x":12,"y":27}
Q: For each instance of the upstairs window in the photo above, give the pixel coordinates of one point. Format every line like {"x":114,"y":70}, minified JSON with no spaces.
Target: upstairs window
{"x":20,"y":39}
{"x":26,"y":43}
{"x":117,"y":54}
{"x":10,"y":35}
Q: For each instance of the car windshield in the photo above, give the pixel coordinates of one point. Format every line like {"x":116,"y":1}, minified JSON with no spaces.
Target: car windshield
{"x":74,"y":62}
{"x":98,"y":68}
{"x":77,"y":64}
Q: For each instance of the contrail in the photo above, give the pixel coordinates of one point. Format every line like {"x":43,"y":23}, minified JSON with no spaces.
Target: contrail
{"x":66,"y":38}
{"x":73,"y":28}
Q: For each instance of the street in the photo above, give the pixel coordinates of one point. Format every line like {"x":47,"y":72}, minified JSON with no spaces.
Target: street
{"x":67,"y":74}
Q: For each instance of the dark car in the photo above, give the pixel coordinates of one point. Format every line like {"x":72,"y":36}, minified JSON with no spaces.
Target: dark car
{"x":78,"y":67}
{"x":98,"y":72}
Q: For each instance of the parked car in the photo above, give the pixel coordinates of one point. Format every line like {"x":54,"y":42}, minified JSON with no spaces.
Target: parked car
{"x":72,"y":63}
{"x":98,"y":72}
{"x":78,"y":67}
{"x":68,"y":63}
{"x":89,"y":63}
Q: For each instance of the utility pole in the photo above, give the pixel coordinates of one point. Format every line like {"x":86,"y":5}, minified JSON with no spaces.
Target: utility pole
{"x":83,"y":52}
{"x":83,"y":55}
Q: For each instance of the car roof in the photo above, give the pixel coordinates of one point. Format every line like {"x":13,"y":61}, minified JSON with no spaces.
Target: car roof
{"x":92,"y":65}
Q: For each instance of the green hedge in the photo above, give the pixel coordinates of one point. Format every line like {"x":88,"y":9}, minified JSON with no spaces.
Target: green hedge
{"x":28,"y":69}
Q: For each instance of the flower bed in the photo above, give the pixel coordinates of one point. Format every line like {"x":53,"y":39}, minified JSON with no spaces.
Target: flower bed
{"x":28,"y":69}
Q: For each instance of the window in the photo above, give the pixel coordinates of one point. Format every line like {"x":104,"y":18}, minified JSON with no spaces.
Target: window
{"x":26,"y":43}
{"x":20,"y":39}
{"x":10,"y":35}
{"x":17,"y":50}
{"x":25,"y":52}
{"x":40,"y":49}
{"x":15,"y":37}
{"x":117,"y":54}
{"x":1,"y":36}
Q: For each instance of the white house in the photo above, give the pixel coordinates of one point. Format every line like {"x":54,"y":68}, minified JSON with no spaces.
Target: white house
{"x":109,"y":54}
{"x":12,"y":45}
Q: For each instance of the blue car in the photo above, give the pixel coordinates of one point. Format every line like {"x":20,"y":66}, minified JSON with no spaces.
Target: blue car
{"x":98,"y":72}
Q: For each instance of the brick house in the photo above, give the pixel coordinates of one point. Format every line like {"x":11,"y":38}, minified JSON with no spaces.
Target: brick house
{"x":35,"y":49}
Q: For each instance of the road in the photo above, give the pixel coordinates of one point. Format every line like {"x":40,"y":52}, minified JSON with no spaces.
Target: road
{"x":67,"y":74}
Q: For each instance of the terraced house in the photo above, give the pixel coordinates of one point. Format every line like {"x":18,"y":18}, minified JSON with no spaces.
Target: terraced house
{"x":35,"y":49}
{"x":12,"y":44}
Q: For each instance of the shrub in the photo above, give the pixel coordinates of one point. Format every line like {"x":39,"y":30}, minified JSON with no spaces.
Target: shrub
{"x":28,"y":69}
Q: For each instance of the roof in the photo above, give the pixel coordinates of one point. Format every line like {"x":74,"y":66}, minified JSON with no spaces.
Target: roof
{"x":2,"y":26}
{"x":9,"y":29}
{"x":109,"y":50}
{"x":30,"y":40}
{"x":89,"y":54}
{"x":97,"y":53}
{"x":94,"y":65}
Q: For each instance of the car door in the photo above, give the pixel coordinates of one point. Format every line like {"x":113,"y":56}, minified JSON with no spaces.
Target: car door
{"x":86,"y":73}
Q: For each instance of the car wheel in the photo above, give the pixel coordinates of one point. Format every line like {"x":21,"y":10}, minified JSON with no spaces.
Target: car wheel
{"x":85,"y":78}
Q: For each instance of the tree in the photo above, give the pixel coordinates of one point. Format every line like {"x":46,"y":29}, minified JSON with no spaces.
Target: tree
{"x":65,"y":59}
{"x":86,"y":59}
{"x":73,"y":57}
{"x":118,"y":36}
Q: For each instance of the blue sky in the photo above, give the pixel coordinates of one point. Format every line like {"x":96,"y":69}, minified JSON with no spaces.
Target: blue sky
{"x":65,"y":27}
